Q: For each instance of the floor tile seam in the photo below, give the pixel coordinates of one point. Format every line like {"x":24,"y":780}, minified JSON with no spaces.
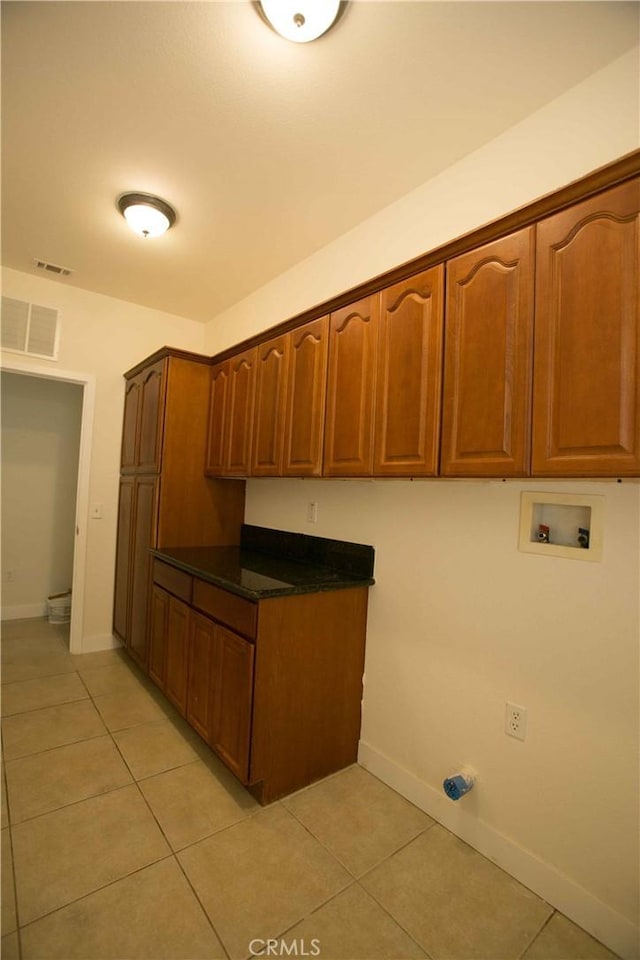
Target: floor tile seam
{"x":323,"y":780}
{"x":59,"y":703}
{"x":46,"y":676}
{"x":159,"y":773}
{"x":405,"y":843}
{"x":359,"y":876}
{"x":306,"y":916}
{"x":324,"y":846}
{"x":71,"y":803}
{"x":201,"y":904}
{"x":90,"y":893}
{"x":15,"y":886}
{"x":537,"y":934}
{"x":228,"y":826}
{"x":49,"y":706}
{"x":58,"y":746}
{"x":397,"y":922}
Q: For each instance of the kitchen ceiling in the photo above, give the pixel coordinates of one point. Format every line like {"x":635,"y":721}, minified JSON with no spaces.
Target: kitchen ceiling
{"x":267,"y":149}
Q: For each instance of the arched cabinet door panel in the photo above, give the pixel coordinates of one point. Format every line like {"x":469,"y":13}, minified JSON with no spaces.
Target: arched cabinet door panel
{"x":409,"y":376}
{"x":353,"y":343}
{"x":306,"y":399}
{"x":587,"y":352}
{"x":486,"y":403}
{"x":217,"y":420}
{"x":272,"y":363}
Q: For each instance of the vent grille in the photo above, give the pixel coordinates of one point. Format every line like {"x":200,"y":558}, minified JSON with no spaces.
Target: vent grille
{"x":30,"y":329}
{"x":52,"y":268}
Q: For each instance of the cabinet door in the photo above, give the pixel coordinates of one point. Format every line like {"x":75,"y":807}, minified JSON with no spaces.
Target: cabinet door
{"x":218,"y":414}
{"x":350,"y":391}
{"x":269,"y":411}
{"x":242,"y":370}
{"x":177,"y":654}
{"x":130,"y":423}
{"x":587,"y":354}
{"x":123,"y":560}
{"x":306,"y":396}
{"x":409,"y":376}
{"x":488,"y":359}
{"x":144,"y":529}
{"x":202,"y":633}
{"x":152,"y":384}
{"x":233,"y":698}
{"x":158,"y":635}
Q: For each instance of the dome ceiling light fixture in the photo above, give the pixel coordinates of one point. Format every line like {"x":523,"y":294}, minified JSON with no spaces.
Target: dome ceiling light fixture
{"x":148,"y":216}
{"x":300,"y":20}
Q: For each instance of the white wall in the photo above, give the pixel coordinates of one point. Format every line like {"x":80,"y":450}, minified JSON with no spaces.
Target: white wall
{"x":460,"y":621}
{"x":103,"y":337}
{"x":40,"y":443}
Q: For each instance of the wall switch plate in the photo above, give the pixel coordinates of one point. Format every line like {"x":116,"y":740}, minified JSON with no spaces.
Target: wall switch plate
{"x":312,"y":512}
{"x":96,"y":511}
{"x":515,"y":721}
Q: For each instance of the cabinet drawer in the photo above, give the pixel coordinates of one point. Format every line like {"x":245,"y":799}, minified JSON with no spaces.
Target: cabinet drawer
{"x":174,"y":581}
{"x":239,"y":614}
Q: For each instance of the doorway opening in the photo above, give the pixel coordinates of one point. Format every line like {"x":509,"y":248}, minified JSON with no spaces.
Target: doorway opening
{"x":72,"y":543}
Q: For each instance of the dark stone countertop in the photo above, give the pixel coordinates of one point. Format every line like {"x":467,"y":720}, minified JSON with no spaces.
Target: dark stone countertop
{"x":275,"y":563}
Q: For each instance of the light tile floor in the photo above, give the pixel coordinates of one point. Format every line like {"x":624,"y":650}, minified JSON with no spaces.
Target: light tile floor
{"x":123,"y":837}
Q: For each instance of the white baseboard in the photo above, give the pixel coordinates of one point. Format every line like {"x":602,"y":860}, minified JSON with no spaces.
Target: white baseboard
{"x":601,"y":921}
{"x":101,"y":641}
{"x":27,"y":612}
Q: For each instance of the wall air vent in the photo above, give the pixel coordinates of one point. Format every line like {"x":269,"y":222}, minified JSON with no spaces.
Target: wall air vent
{"x":30,"y":329}
{"x":52,"y":268}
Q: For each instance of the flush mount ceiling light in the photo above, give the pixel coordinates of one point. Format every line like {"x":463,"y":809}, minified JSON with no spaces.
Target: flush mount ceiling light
{"x":148,"y":216}
{"x":300,"y":20}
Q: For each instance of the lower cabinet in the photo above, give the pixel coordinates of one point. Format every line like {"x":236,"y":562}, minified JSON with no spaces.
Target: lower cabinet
{"x":274,"y":687}
{"x":230,"y":730}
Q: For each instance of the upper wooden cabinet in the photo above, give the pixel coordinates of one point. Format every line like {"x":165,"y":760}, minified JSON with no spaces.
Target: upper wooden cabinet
{"x":231,"y":409}
{"x":407,"y":420}
{"x":353,"y":345}
{"x":488,"y":359}
{"x":218,"y":414}
{"x":306,"y":398}
{"x":242,"y":370}
{"x":587,"y":352}
{"x":272,"y":364}
{"x":529,"y":364}
{"x":142,"y":427}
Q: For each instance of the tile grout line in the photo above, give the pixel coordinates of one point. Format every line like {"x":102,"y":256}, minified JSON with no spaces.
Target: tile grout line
{"x":173,"y":853}
{"x":537,"y":934}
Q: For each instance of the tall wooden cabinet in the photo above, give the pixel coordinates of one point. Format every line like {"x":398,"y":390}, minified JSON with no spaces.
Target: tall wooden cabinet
{"x":165,"y":500}
{"x":488,"y":359}
{"x":587,"y":350}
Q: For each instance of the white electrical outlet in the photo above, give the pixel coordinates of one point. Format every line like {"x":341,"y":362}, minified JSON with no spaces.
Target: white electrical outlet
{"x":312,"y":512}
{"x":515,"y":721}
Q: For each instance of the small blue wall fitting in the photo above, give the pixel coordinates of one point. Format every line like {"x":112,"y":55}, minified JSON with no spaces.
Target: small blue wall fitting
{"x":456,"y":786}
